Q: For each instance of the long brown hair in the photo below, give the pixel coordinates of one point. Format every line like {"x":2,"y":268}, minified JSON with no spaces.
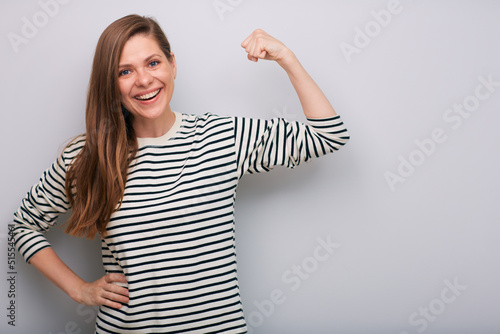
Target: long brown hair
{"x":95,"y":181}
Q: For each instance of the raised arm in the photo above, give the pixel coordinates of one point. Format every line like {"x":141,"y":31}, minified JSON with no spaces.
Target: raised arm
{"x":260,"y":45}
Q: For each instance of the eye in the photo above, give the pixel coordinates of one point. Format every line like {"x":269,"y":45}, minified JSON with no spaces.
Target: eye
{"x":154,"y":63}
{"x":123,"y":72}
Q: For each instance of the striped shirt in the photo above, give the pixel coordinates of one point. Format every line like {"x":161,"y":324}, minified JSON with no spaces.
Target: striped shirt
{"x":174,"y":234}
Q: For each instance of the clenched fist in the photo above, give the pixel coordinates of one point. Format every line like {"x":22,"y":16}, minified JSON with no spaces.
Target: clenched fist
{"x":261,"y":45}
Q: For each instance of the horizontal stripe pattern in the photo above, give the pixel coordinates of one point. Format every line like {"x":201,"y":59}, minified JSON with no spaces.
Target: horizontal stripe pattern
{"x":174,"y":234}
{"x":45,"y":201}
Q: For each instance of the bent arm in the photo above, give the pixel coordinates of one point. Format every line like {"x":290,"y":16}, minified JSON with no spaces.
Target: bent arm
{"x":101,"y":292}
{"x":260,"y":45}
{"x":314,"y":103}
{"x":51,"y":266}
{"x":38,"y":213}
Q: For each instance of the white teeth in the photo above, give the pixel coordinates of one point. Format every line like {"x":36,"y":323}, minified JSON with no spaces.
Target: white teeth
{"x":148,"y":96}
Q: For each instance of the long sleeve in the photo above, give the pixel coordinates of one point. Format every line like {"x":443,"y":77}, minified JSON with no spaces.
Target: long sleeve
{"x":43,"y":203}
{"x":263,"y":144}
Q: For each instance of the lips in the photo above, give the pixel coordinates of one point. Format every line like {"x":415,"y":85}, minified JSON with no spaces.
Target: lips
{"x":148,"y":96}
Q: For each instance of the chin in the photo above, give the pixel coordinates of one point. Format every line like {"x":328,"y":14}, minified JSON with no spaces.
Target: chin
{"x":153,"y":113}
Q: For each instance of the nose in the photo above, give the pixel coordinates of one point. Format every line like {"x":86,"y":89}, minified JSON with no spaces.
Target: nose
{"x":144,"y":78}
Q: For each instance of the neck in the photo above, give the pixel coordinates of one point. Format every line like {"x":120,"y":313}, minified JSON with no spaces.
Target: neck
{"x":154,"y":128}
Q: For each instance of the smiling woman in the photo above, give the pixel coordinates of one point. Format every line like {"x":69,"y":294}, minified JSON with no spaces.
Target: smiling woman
{"x":146,"y":81}
{"x":159,"y":186}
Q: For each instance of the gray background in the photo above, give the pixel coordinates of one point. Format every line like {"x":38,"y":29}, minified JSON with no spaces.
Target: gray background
{"x":398,"y":248}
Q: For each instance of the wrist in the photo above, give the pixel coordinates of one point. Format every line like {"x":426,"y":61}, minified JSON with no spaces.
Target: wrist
{"x":288,"y":60}
{"x":75,"y":292}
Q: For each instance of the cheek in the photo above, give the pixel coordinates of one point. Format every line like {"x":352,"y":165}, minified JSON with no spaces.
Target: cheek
{"x":167,"y":76}
{"x":124,"y":89}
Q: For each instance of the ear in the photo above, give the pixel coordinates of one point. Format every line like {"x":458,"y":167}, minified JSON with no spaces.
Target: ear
{"x":173,"y":63}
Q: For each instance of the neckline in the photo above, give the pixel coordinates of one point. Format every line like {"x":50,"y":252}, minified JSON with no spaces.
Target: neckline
{"x":157,"y":141}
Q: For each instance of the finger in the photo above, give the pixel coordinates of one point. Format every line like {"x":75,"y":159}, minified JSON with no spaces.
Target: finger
{"x":109,"y":303}
{"x":252,"y":45}
{"x":259,"y":51}
{"x":249,"y":42}
{"x":115,"y":297}
{"x":113,"y":288}
{"x":249,"y":50}
{"x":246,"y":41}
{"x":251,"y":37}
{"x":252,"y":58}
{"x":119,"y":278}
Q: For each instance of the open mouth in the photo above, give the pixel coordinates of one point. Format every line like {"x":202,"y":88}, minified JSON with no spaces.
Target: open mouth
{"x":147,"y":97}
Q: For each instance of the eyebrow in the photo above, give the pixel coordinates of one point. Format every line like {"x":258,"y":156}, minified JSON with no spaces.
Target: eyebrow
{"x":145,"y":60}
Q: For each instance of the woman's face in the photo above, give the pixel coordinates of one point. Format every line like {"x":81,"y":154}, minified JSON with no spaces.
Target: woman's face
{"x":146,"y":81}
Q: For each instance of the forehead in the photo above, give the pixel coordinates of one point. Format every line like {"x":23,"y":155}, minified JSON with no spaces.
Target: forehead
{"x":138,"y":48}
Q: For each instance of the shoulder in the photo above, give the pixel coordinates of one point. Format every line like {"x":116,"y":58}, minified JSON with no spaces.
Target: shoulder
{"x":204,"y":118}
{"x":73,"y":148}
{"x":206,"y":121}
